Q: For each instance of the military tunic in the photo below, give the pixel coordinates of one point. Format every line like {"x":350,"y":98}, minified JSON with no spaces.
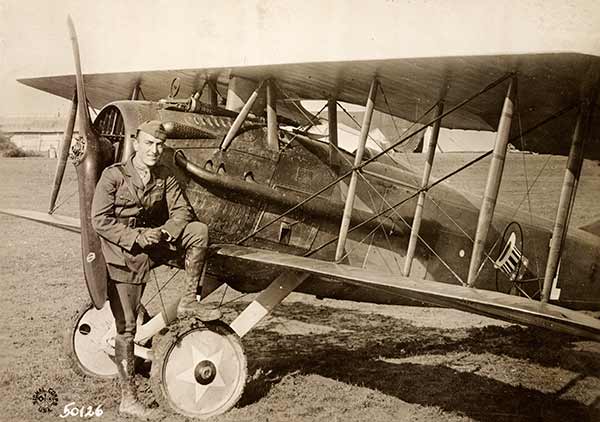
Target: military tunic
{"x":118,"y":218}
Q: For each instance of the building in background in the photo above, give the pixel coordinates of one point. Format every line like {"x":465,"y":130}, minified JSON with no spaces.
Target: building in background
{"x":36,"y":133}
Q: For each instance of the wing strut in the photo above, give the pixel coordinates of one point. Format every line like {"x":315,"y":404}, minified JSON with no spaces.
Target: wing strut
{"x":416,"y":225}
{"x":362,"y":140}
{"x":135,"y":93}
{"x":493,"y":183}
{"x":272,"y":132}
{"x":64,"y":153}
{"x":567,"y":194}
{"x":266,"y":301}
{"x":212,"y":85}
{"x":332,"y":129}
{"x":239,"y":120}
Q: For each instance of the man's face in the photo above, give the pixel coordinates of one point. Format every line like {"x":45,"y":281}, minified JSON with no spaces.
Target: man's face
{"x":148,"y":149}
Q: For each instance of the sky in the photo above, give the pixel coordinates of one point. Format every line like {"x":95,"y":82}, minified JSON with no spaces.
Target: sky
{"x":148,"y":35}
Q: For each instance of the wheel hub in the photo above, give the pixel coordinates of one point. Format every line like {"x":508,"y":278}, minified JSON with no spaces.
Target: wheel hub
{"x":205,"y":372}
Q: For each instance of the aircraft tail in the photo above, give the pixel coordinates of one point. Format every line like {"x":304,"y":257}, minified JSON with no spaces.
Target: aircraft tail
{"x":592,"y":227}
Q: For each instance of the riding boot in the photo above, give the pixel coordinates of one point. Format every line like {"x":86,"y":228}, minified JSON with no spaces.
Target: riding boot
{"x":130,"y":405}
{"x":188,"y":305}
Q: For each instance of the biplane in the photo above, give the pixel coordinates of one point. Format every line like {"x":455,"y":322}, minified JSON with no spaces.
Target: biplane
{"x":289,"y":211}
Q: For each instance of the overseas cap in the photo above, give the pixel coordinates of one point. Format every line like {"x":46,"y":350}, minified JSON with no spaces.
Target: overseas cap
{"x":154,"y":128}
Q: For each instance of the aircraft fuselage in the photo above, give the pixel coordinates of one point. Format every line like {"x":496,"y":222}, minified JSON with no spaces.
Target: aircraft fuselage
{"x":247,"y":186}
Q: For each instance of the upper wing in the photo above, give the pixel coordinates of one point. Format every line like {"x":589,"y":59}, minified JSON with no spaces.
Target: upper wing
{"x":60,"y":221}
{"x":483,"y":302}
{"x":548,"y":83}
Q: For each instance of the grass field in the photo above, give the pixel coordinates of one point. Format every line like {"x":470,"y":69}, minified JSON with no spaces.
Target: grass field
{"x":312,"y":360}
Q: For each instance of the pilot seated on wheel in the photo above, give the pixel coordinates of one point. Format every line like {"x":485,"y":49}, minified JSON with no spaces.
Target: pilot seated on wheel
{"x":144,"y":220}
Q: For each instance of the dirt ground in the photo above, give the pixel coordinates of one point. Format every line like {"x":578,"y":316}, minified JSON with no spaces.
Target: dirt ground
{"x":311,"y":360}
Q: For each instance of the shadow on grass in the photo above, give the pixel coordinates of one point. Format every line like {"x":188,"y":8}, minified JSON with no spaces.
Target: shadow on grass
{"x":352,"y":354}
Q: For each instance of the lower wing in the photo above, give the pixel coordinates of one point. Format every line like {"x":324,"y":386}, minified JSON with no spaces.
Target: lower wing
{"x":488,"y":303}
{"x":61,"y":221}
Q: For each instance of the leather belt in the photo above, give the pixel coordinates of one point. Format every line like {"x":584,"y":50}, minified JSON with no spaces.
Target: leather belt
{"x":133,"y":222}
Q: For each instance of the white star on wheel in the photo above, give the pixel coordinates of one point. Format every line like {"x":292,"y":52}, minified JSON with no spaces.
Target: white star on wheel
{"x":188,"y":375}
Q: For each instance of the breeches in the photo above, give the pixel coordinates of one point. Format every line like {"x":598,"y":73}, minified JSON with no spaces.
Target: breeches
{"x":125,"y":298}
{"x":194,"y":234}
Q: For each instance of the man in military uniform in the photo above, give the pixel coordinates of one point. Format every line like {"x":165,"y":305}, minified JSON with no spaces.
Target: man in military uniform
{"x":143,"y":220}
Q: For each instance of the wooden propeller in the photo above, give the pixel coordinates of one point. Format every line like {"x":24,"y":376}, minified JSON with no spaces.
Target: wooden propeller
{"x":93,"y":154}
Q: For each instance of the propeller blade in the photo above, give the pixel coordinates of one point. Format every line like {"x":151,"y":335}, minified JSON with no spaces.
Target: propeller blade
{"x":83,"y":112}
{"x":95,"y":155}
{"x":63,"y":154}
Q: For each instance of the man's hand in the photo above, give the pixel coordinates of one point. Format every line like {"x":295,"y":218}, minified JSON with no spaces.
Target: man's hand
{"x":167,"y":236}
{"x":148,"y":237}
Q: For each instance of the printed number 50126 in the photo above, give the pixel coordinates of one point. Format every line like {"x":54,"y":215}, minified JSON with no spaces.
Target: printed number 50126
{"x":82,"y":412}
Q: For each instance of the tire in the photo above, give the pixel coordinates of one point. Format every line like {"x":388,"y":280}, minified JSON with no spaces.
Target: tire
{"x":84,"y":344}
{"x":190,"y":359}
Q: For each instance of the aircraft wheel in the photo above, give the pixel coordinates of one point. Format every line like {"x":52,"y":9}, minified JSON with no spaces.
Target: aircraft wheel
{"x":199,"y":369}
{"x":89,"y":341}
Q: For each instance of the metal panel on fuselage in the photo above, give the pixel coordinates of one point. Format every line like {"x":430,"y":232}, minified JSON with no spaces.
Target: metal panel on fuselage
{"x":300,"y":172}
{"x":229,"y":217}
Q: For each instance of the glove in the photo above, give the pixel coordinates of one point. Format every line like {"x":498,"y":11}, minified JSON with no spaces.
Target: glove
{"x":148,"y":237}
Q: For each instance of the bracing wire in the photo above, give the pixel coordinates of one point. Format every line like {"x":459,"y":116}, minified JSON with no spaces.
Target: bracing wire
{"x":399,"y":135}
{"x":440,"y":117}
{"x":389,"y":243}
{"x":380,"y":225}
{"x":453,"y":221}
{"x":142,"y":93}
{"x":241,"y":296}
{"x":527,"y":187}
{"x":295,"y":135}
{"x":348,"y":252}
{"x":64,"y":201}
{"x":395,"y":212}
{"x":389,"y":148}
{"x":223,"y":295}
{"x":387,"y":104}
{"x":392,"y":208}
{"x":415,"y":194}
{"x":214,"y":85}
{"x":366,"y":257}
{"x":303,"y":112}
{"x":347,"y":113}
{"x":159,"y":290}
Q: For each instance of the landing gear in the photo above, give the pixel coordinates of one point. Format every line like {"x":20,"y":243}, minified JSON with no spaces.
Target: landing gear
{"x":199,"y":369}
{"x":89,"y":341}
